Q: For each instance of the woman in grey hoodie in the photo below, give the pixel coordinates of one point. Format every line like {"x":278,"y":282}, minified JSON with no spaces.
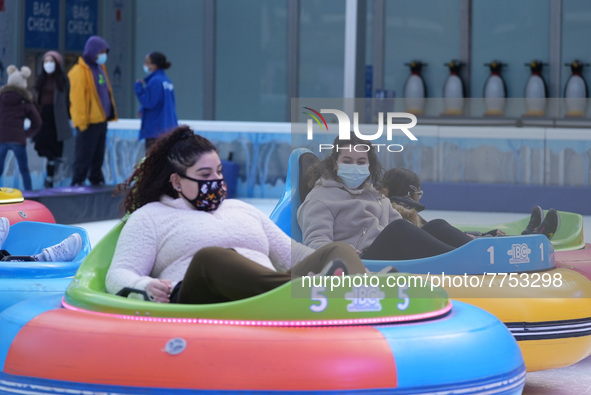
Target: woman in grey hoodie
{"x":344,"y":206}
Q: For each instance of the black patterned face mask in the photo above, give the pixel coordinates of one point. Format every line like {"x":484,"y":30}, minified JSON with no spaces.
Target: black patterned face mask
{"x":211,"y":194}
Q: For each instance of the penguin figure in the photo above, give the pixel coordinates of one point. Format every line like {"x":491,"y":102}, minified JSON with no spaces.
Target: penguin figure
{"x":494,"y":90}
{"x":575,"y":90}
{"x":415,"y":89}
{"x":535,"y":90}
{"x":453,"y":90}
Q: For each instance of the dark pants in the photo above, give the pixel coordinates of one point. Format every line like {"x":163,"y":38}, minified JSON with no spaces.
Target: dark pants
{"x":46,"y":141}
{"x":90,"y":154}
{"x":401,"y":240}
{"x":221,"y":274}
{"x":20,"y":153}
{"x":50,"y":169}
{"x":5,"y":256}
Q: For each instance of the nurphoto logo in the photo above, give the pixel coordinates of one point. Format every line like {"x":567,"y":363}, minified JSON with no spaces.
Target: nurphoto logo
{"x":344,"y":123}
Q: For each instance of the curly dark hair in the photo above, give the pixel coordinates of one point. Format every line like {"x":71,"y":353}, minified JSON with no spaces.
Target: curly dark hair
{"x":397,"y":181}
{"x":173,"y":152}
{"x":326,"y":168}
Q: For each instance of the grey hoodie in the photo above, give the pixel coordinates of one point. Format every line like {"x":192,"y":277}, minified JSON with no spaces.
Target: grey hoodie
{"x":334,"y":212}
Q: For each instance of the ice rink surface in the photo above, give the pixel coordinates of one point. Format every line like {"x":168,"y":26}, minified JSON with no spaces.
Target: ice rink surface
{"x":575,"y":379}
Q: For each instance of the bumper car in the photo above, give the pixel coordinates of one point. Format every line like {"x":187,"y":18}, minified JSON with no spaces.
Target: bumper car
{"x":25,"y":280}
{"x":300,"y":337}
{"x":14,"y":207}
{"x":548,"y":309}
{"x":571,"y":250}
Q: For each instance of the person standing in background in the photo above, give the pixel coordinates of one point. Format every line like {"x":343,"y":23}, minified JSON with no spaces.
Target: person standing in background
{"x":16,"y":105}
{"x":91,"y":106}
{"x":156,"y":98}
{"x":53,"y":98}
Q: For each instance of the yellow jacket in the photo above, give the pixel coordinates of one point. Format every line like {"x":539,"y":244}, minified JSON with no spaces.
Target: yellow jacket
{"x":85,"y":105}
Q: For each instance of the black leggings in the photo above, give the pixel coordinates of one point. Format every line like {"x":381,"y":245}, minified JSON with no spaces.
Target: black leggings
{"x":402,"y":240}
{"x":6,"y":256}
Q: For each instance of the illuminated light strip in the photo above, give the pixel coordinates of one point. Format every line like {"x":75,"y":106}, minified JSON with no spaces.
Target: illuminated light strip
{"x":497,"y":387}
{"x":211,"y":321}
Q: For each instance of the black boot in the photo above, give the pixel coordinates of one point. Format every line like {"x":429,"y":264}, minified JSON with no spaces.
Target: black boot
{"x":51,"y":165}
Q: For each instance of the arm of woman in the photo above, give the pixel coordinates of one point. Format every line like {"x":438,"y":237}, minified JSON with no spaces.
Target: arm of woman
{"x":35,"y":117}
{"x":150,"y":95}
{"x":134,"y":256}
{"x":316,"y":221}
{"x":283,"y":251}
{"x":67,"y":94}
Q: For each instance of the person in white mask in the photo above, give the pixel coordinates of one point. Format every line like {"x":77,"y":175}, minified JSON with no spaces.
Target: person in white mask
{"x":345,"y":206}
{"x":53,"y":91}
{"x":155,"y":93}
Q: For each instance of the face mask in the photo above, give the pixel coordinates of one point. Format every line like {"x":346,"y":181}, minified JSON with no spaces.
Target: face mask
{"x":49,"y":67}
{"x":211,"y":194}
{"x":353,"y":175}
{"x":147,"y":70}
{"x":101,"y":58}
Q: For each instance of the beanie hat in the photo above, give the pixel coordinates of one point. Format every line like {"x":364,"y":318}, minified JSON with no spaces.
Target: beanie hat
{"x":16,"y":78}
{"x":56,"y":55}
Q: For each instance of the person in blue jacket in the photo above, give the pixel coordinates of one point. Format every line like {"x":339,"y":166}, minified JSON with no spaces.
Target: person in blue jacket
{"x":156,"y":96}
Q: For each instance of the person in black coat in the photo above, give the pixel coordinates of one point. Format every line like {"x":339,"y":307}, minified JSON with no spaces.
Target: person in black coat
{"x":53,"y":98}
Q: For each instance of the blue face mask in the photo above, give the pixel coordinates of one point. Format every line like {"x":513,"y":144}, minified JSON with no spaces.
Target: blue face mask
{"x":101,"y":58}
{"x":353,"y":175}
{"x":147,"y":70}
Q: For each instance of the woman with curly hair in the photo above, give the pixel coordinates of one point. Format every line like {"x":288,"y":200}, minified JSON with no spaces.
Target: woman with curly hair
{"x":345,"y":206}
{"x":183,"y":242}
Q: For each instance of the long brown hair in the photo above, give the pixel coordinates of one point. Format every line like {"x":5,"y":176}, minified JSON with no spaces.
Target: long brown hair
{"x":327,"y":167}
{"x":174,"y":152}
{"x":60,"y":78}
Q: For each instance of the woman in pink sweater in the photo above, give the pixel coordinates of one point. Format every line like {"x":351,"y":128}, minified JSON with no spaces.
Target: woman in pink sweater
{"x":185,"y":243}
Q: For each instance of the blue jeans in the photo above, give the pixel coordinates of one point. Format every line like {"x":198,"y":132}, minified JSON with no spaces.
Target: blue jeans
{"x":20,"y":153}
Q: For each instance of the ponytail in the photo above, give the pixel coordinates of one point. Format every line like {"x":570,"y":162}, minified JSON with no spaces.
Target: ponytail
{"x":172,"y":153}
{"x":159,"y":59}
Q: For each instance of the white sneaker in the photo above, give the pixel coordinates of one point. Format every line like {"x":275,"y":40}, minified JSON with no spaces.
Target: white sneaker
{"x":4,"y":229}
{"x":65,"y":251}
{"x":387,"y":269}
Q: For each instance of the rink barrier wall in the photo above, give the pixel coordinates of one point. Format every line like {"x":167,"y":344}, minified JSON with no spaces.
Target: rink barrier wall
{"x":462,"y":167}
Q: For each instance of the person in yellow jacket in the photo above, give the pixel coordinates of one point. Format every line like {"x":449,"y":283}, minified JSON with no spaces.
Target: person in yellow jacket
{"x":91,"y":106}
